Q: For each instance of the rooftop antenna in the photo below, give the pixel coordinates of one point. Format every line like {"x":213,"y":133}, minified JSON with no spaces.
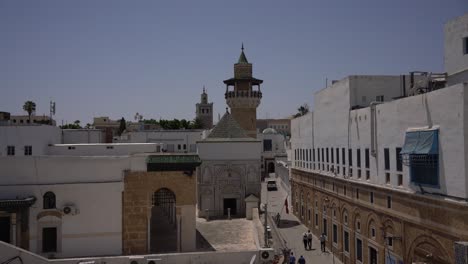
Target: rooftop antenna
{"x":52,"y":110}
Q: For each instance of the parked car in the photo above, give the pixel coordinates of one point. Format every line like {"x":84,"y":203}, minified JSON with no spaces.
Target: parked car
{"x":271,"y":185}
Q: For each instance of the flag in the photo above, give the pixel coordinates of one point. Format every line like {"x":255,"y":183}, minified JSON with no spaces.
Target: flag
{"x":286,"y":205}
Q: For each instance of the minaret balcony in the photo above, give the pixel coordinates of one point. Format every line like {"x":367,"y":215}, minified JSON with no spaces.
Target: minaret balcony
{"x":240,"y":99}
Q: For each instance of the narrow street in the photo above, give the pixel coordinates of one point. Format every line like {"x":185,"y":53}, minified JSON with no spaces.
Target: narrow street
{"x":290,"y":229}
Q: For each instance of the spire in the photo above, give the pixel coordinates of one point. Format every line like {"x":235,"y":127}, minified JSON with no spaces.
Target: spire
{"x":242,"y":58}
{"x":203,"y":88}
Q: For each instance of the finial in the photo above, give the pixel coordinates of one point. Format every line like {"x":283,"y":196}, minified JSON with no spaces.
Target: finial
{"x":242,"y":46}
{"x":203,"y":88}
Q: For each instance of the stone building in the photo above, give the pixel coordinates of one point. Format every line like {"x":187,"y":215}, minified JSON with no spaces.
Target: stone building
{"x":385,"y":179}
{"x":230,"y":170}
{"x":79,"y":200}
{"x":204,"y":111}
{"x":243,"y":99}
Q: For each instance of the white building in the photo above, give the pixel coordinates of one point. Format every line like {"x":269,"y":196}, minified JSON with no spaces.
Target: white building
{"x":62,"y":200}
{"x":273,"y":147}
{"x":375,"y":169}
{"x":31,"y":140}
{"x":456,"y":50}
{"x":77,"y":136}
{"x":230,"y":170}
{"x":178,"y":141}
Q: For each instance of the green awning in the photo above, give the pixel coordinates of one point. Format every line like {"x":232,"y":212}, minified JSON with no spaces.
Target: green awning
{"x":165,"y":159}
{"x":172,"y":162}
{"x":17,"y":203}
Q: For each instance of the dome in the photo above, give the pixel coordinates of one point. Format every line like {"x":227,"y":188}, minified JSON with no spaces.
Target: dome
{"x":269,"y":131}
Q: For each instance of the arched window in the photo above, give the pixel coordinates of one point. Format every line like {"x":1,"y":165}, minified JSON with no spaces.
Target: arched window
{"x":49,"y":200}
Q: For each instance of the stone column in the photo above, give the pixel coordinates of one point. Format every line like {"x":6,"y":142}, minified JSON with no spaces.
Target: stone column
{"x":179,"y":241}
{"x":13,"y":228}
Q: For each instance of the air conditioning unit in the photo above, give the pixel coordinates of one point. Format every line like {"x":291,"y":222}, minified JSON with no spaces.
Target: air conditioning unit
{"x":266,"y":255}
{"x":70,"y":210}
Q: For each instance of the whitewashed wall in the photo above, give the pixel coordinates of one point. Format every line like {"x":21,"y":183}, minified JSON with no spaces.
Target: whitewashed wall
{"x":52,"y":170}
{"x":337,"y":127}
{"x":175,"y":138}
{"x":76,"y":136}
{"x":454,"y":59}
{"x":37,"y":136}
{"x":93,"y":184}
{"x":115,"y":149}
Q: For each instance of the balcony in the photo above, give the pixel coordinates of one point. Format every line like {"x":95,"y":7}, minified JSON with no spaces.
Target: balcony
{"x":242,"y":94}
{"x":243,"y":99}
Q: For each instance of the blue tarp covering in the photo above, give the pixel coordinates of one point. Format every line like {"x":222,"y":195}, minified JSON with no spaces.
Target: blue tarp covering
{"x":421,"y":142}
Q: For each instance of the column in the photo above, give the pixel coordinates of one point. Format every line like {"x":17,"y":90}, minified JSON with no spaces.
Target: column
{"x":13,"y":228}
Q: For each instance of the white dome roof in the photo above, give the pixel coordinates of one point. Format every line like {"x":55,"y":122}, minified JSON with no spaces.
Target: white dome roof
{"x":269,"y":131}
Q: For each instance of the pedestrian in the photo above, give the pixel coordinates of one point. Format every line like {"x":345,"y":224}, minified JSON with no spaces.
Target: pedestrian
{"x":304,"y":239}
{"x":322,"y":242}
{"x":292,"y":259}
{"x":309,"y":239}
{"x":301,"y":260}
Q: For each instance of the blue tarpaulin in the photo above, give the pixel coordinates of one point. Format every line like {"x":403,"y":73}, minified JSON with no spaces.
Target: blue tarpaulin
{"x":421,"y":142}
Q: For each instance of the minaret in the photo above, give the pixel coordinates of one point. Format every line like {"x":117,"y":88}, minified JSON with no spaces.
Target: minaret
{"x":243,"y":100}
{"x":204,"y":111}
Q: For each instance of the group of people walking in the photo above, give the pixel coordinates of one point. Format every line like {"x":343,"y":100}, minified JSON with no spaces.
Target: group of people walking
{"x":307,"y":240}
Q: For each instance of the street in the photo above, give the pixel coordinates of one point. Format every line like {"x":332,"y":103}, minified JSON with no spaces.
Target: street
{"x":290,"y":229}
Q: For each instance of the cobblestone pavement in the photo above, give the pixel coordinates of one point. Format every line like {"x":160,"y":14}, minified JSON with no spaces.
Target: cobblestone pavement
{"x":291,"y":230}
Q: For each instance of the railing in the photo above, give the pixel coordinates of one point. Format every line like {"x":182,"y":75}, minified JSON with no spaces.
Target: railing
{"x":247,"y":94}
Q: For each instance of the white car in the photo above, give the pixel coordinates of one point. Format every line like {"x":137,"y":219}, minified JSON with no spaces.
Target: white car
{"x":271,"y":185}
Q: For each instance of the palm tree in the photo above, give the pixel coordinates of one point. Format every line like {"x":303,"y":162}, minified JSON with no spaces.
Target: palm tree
{"x":30,"y":107}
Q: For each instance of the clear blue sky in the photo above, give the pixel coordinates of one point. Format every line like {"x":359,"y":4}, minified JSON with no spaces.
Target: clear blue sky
{"x":116,"y":58}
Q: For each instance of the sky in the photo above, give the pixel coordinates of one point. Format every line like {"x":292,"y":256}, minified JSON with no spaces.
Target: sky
{"x":116,"y":58}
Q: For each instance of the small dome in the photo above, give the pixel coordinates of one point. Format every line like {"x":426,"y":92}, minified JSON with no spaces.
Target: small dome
{"x":269,"y":131}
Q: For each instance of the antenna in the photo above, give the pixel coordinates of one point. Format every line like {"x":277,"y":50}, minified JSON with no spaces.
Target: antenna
{"x":52,"y":110}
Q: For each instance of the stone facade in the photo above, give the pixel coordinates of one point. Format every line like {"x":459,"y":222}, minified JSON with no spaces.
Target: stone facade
{"x":139,"y":188}
{"x":220,"y":180}
{"x":423,"y":228}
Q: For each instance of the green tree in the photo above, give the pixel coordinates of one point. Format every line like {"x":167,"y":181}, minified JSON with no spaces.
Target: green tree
{"x":30,"y":107}
{"x":197,"y":124}
{"x":122,"y":126}
{"x":74,"y":125}
{"x":302,"y":110}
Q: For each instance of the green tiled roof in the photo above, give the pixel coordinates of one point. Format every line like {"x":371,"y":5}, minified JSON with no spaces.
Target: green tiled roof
{"x":242,"y":58}
{"x":166,"y":159}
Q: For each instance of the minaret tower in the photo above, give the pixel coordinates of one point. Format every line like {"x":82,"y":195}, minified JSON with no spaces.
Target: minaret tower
{"x":243,"y":99}
{"x":204,"y":111}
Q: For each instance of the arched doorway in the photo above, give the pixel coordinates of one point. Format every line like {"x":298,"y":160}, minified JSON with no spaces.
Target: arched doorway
{"x":271,"y":167}
{"x":425,"y":249}
{"x":163,"y":233}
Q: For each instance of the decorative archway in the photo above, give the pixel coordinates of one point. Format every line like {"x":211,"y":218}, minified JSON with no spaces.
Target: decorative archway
{"x":163,"y":228}
{"x":426,"y":249}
